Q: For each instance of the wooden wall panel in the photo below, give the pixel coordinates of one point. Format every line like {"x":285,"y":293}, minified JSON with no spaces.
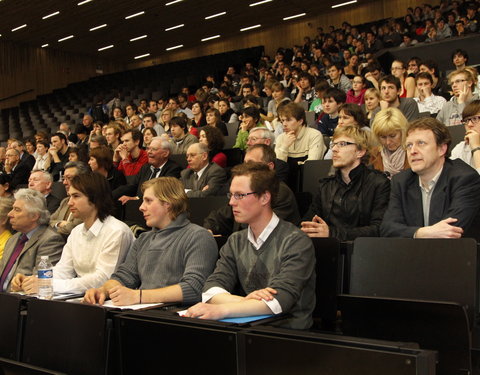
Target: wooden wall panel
{"x":25,"y":68}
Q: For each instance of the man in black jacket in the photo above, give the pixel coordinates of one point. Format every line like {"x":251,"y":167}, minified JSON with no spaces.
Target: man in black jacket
{"x":158,"y":166}
{"x":351,"y":203}
{"x":437,"y":197}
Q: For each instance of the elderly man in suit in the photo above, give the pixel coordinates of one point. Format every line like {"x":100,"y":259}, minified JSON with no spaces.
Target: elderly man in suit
{"x":203,"y":178}
{"x":34,"y":238}
{"x":437,"y":197}
{"x":19,"y":172}
{"x":42,"y":181}
{"x":159,"y":165}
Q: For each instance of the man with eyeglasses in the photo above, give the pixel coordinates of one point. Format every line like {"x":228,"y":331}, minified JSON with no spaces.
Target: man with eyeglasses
{"x":462,"y":84}
{"x":270,"y":265}
{"x":437,"y":197}
{"x":159,"y":165}
{"x":222,"y":221}
{"x":203,"y":178}
{"x":468,"y":150}
{"x":351,"y":203}
{"x":263,"y":136}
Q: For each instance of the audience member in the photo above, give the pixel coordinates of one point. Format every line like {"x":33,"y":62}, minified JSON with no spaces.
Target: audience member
{"x":62,"y":219}
{"x":467,"y":150}
{"x":332,"y":100}
{"x":159,"y":165}
{"x":6,"y":205}
{"x":426,"y":100}
{"x":202,"y":178}
{"x":42,"y":181}
{"x":389,"y":129}
{"x":213,"y":138}
{"x":181,"y":138}
{"x":437,"y":197}
{"x":169,"y":263}
{"x":94,"y":248}
{"x":129,"y":155}
{"x":270,"y":265}
{"x":29,"y":218}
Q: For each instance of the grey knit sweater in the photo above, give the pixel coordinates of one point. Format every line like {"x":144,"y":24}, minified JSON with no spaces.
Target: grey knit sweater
{"x":182,"y":253}
{"x":285,"y":262}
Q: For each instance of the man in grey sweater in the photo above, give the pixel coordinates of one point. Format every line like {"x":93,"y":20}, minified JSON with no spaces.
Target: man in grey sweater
{"x":272,"y":262}
{"x":168,"y":264}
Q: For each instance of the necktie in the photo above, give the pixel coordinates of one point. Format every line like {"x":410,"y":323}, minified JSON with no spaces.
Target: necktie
{"x":13,"y":258}
{"x":154,"y":173}
{"x":195,"y":181}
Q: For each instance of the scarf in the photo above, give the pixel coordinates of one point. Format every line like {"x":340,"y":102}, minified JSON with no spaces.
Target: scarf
{"x":393,"y":162}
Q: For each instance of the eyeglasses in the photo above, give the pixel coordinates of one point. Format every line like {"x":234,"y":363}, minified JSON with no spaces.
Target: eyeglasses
{"x":474,"y":119}
{"x":457,"y":81}
{"x":341,"y":144}
{"x":239,"y":196}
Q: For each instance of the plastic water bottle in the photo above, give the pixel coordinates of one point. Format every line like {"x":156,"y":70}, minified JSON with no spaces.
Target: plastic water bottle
{"x":45,"y":278}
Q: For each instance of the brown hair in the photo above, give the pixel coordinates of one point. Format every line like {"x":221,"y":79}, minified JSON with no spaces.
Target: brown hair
{"x":103,"y":156}
{"x":293,"y":110}
{"x":440,"y":131}
{"x":262,"y":179}
{"x":471,"y":109}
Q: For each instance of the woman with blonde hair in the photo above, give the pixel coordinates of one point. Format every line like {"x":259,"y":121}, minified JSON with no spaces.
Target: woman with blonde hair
{"x":389,"y":128}
{"x":167,"y":115}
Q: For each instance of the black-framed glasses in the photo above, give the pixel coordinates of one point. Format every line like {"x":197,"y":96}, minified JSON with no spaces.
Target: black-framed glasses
{"x":341,"y":144}
{"x":474,"y":119}
{"x":239,"y":196}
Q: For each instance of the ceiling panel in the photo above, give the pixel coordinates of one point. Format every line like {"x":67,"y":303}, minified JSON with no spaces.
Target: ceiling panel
{"x":78,"y":20}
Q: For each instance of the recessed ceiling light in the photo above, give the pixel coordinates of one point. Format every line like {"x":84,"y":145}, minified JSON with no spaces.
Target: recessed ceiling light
{"x":342,"y":4}
{"x":19,"y":27}
{"x":174,"y":27}
{"x":295,"y":16}
{"x":98,"y":27}
{"x":174,"y":47}
{"x":104,"y":48}
{"x":215,"y":15}
{"x":44,"y":45}
{"x":135,"y":15}
{"x":138,"y":38}
{"x":50,"y":15}
{"x":66,"y":38}
{"x":250,"y":27}
{"x":172,"y":2}
{"x":139,"y":57}
{"x":84,"y":2}
{"x":210,"y":38}
{"x":260,"y":2}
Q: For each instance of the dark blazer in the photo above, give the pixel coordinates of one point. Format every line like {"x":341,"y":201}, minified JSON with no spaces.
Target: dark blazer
{"x":214,"y":176}
{"x":44,"y":241}
{"x":20,"y":175}
{"x":456,"y":195}
{"x":28,"y":159}
{"x":52,"y":203}
{"x":170,"y":169}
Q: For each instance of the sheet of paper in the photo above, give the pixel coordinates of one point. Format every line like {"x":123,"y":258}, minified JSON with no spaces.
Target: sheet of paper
{"x":139,"y":306}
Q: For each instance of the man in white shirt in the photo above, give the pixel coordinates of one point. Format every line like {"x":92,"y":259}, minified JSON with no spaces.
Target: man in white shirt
{"x":94,"y":248}
{"x":426,"y":101}
{"x":272,"y":261}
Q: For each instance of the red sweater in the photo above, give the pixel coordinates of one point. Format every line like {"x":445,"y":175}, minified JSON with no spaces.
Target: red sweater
{"x":131,"y":167}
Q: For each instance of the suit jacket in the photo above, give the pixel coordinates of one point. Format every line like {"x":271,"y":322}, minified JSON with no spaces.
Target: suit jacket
{"x":28,"y":160}
{"x":213,"y":176}
{"x":170,"y":169}
{"x":52,"y":203}
{"x":20,"y":175}
{"x":45,"y":241}
{"x":63,"y":213}
{"x":455,"y":195}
